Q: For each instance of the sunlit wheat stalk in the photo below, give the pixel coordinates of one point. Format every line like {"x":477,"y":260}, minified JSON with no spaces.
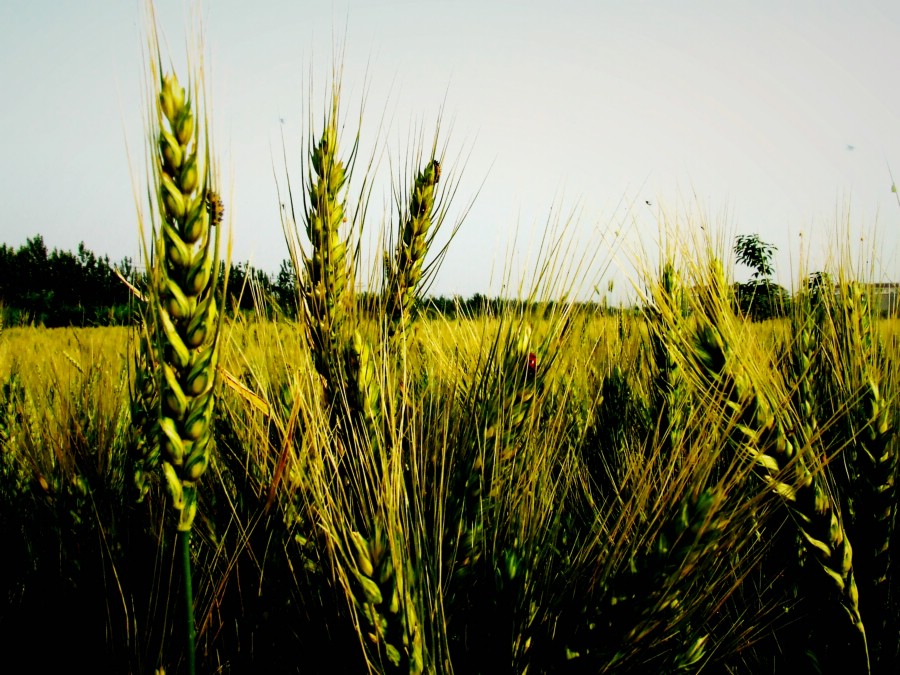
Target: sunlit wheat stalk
{"x":183,"y":299}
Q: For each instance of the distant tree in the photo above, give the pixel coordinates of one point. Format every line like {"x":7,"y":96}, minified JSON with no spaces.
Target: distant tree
{"x":759,"y":298}
{"x":444,"y":306}
{"x":32,"y":289}
{"x":477,"y":305}
{"x":285,"y":289}
{"x":755,"y":254}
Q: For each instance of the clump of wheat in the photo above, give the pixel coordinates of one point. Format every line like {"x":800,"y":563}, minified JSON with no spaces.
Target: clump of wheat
{"x":485,"y":469}
{"x":782,"y":456}
{"x":15,"y":475}
{"x":649,"y":600}
{"x":375,"y":548}
{"x":857,"y":382}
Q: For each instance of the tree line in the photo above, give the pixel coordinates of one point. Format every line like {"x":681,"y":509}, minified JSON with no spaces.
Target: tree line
{"x":61,"y":288}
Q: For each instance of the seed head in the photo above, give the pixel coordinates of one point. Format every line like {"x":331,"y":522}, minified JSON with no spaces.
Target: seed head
{"x":171,"y":98}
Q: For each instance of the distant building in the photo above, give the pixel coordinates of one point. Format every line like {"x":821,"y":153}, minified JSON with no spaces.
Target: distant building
{"x":886,"y":298}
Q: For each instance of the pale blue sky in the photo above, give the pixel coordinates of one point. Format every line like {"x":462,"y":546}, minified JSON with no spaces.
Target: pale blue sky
{"x":772,"y":117}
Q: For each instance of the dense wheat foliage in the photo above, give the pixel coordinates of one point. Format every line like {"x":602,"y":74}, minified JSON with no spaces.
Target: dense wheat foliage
{"x":631,"y":499}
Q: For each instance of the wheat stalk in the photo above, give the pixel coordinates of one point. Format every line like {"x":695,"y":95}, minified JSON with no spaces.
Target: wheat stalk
{"x":183,"y":302}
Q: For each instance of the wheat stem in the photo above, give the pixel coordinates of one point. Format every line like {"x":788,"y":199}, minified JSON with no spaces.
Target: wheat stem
{"x":184,"y":539}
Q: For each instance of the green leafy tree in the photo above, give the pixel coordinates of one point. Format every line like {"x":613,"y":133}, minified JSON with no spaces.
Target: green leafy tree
{"x":758,"y":298}
{"x":755,"y":254}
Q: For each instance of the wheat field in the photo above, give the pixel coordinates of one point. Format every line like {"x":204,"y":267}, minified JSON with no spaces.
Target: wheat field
{"x":653,"y":495}
{"x":544,"y":487}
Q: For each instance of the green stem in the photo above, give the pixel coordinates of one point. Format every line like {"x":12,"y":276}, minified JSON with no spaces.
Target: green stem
{"x":185,"y":537}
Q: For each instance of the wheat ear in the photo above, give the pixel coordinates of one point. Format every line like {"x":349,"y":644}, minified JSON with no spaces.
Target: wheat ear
{"x":668,"y":390}
{"x":144,"y":412}
{"x":384,"y":598}
{"x":404,"y":272}
{"x":184,"y":297}
{"x":326,"y":286}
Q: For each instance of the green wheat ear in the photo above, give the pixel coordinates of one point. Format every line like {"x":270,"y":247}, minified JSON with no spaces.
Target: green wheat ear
{"x":665,"y":323}
{"x":384,"y":598}
{"x":184,"y":297}
{"x":144,"y":413}
{"x":404,"y":272}
{"x":362,"y":388}
{"x":327,"y":285}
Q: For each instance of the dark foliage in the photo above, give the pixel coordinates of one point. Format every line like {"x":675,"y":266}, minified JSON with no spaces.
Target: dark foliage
{"x":761,"y":299}
{"x":61,"y":288}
